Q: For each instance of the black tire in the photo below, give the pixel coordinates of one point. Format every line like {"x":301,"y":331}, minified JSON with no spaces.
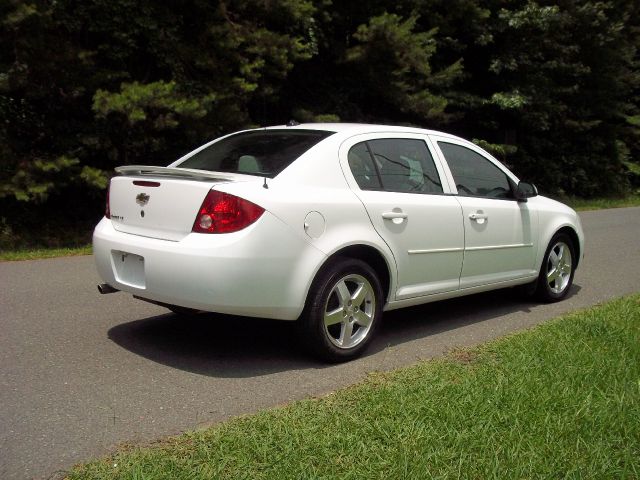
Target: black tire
{"x":557,"y":269}
{"x":333,"y":297}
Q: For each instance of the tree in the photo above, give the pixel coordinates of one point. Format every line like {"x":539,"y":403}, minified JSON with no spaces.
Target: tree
{"x":88,"y":85}
{"x":563,"y":76}
{"x":551,"y":87}
{"x":374,"y":63}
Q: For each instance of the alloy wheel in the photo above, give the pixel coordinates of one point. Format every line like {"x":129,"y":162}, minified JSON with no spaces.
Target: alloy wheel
{"x":559,"y":267}
{"x":349,"y":311}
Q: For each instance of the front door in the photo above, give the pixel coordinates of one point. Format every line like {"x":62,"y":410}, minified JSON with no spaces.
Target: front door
{"x":499,"y":231}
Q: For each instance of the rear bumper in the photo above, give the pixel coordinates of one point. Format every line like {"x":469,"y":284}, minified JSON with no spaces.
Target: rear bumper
{"x":264,"y":270}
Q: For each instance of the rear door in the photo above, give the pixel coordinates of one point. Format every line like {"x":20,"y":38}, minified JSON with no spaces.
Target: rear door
{"x":400,"y":184}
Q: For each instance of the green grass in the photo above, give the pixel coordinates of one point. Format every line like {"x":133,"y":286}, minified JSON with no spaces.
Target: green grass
{"x":582,"y":204}
{"x":35,"y":253}
{"x":559,"y":401}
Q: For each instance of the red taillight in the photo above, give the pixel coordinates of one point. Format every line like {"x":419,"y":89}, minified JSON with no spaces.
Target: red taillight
{"x":107,"y":210}
{"x":225,"y":213}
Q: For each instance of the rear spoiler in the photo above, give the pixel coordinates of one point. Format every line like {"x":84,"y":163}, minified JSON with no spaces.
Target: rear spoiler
{"x":130,"y":170}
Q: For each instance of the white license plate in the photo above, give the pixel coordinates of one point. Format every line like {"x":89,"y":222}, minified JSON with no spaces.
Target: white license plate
{"x":128,"y":268}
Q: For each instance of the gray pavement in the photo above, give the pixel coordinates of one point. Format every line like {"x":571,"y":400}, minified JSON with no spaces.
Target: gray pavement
{"x":81,"y":373}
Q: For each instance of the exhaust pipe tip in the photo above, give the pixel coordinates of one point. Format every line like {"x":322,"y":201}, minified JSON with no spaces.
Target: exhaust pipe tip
{"x":105,"y":288}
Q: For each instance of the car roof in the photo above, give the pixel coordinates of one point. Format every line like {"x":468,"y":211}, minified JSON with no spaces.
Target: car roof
{"x":358,"y":128}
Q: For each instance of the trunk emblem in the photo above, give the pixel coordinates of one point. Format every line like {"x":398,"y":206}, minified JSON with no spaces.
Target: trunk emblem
{"x":142,"y":199}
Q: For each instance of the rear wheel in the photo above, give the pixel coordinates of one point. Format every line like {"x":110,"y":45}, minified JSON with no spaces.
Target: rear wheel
{"x":343,"y":310}
{"x":558,"y":267}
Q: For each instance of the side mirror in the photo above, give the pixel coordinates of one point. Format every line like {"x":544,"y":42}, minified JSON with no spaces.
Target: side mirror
{"x":525,"y":190}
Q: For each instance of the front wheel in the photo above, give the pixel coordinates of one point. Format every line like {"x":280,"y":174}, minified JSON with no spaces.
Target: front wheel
{"x":558,"y":267}
{"x":343,"y":310}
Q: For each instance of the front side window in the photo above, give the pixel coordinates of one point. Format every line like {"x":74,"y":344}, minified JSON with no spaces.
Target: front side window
{"x":394,"y":165}
{"x":259,"y":152}
{"x":475,"y":176}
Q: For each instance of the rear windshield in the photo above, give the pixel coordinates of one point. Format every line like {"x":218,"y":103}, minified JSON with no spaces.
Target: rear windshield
{"x":259,"y":152}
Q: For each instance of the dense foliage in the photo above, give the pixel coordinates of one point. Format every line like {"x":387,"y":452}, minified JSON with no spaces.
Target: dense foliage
{"x":551,"y":87}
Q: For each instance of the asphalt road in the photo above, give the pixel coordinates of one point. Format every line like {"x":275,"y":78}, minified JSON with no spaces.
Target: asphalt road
{"x":81,"y":373}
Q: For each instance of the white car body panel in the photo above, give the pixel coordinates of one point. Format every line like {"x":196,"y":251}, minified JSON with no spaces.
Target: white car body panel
{"x":163,"y":217}
{"x":501,"y":244}
{"x":427,"y":245}
{"x":217,"y":272}
{"x":554,"y":216}
{"x":314,"y":209}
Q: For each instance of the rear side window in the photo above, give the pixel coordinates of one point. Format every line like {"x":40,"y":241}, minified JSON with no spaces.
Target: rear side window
{"x":259,"y":152}
{"x":475,"y":176}
{"x":362,"y":167}
{"x":395,"y":165}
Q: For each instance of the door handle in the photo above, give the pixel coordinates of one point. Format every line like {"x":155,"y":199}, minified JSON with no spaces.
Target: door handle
{"x":394,"y":215}
{"x":479,"y":217}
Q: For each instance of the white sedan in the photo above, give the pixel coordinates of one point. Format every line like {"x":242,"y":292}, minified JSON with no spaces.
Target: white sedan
{"x":330,"y":225}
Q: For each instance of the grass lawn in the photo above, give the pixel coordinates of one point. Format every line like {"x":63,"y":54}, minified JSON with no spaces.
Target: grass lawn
{"x":559,"y":401}
{"x":581,"y":204}
{"x":35,"y":253}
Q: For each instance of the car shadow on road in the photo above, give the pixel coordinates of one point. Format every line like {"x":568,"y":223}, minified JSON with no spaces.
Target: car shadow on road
{"x":238,"y":347}
{"x":407,"y":324}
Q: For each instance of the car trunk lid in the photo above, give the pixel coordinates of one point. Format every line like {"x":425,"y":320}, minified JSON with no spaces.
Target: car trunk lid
{"x":161,"y":202}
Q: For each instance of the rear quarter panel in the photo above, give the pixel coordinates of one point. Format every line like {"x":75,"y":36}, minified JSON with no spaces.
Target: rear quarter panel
{"x":312,"y":197}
